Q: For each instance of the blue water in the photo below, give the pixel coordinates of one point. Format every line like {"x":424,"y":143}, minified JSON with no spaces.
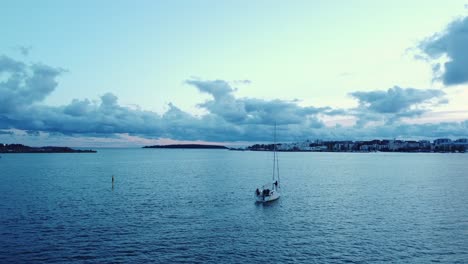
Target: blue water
{"x":197,"y":206}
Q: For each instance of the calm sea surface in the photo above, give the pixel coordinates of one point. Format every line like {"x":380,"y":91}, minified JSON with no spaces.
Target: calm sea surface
{"x":197,"y":206}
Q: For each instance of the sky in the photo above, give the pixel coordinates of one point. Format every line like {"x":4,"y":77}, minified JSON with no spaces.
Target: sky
{"x":133,"y":73}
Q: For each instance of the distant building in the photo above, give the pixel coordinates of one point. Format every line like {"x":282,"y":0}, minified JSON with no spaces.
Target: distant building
{"x":319,"y":148}
{"x":461,"y":145}
{"x":442,"y":141}
{"x":395,"y":145}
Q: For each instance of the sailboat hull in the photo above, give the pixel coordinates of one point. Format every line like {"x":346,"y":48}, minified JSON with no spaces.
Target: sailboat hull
{"x":274,"y":195}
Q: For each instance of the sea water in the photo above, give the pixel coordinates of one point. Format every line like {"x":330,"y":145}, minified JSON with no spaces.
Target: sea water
{"x":197,"y":206}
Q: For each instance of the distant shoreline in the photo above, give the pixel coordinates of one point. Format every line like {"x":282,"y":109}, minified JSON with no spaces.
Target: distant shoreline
{"x":441,"y":145}
{"x":352,"y":151}
{"x":186,"y":146}
{"x":19,"y":148}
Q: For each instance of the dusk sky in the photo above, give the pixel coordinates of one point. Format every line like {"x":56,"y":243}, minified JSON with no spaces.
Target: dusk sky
{"x":133,"y":73}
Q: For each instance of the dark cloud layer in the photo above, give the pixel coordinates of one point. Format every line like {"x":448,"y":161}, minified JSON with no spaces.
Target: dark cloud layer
{"x":396,"y":99}
{"x":6,"y":132}
{"x":244,"y":111}
{"x":453,"y":43}
{"x":396,"y":103}
{"x":439,"y":130}
{"x":23,"y":88}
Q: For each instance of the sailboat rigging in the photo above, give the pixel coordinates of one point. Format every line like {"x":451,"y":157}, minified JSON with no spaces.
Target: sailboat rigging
{"x":270,"y":191}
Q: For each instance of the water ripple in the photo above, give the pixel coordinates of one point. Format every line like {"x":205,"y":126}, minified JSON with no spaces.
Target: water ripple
{"x":173,"y":206}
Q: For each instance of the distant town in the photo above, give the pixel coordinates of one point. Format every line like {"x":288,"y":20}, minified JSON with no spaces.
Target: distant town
{"x":438,"y":145}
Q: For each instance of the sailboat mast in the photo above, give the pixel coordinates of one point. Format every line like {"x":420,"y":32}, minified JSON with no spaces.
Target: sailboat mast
{"x":275,"y":157}
{"x":274,"y":152}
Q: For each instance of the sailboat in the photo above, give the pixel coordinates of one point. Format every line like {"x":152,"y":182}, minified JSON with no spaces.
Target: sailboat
{"x":270,"y":191}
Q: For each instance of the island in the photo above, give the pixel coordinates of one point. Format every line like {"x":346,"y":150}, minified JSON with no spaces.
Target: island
{"x":187,"y":146}
{"x":19,"y":148}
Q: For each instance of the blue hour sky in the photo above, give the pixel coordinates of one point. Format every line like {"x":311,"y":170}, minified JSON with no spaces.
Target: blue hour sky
{"x":130,"y":73}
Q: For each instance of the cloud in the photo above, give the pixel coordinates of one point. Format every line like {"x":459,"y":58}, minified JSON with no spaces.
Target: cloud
{"x":217,"y":88}
{"x":452,"y":43}
{"x":428,"y":130}
{"x":244,"y":111}
{"x":228,"y":118}
{"x":8,"y":64}
{"x":3,"y":132}
{"x":24,"y":50}
{"x":395,"y":103}
{"x":23,"y":88}
{"x":388,"y":131}
{"x":25,"y":85}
